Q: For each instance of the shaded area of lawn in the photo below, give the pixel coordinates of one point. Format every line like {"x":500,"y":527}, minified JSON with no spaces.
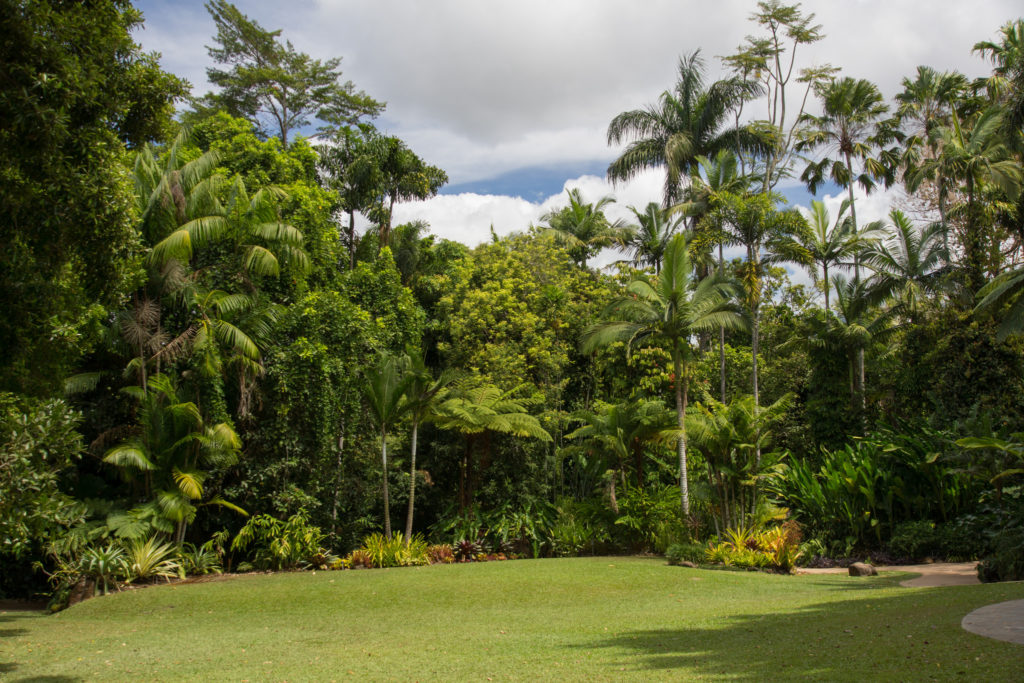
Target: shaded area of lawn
{"x":592,"y":618}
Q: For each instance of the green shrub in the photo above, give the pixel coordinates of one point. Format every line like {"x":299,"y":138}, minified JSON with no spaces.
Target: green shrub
{"x":199,"y":560}
{"x":394,"y":552}
{"x":104,"y":565}
{"x":685,"y":552}
{"x":914,"y":540}
{"x":151,"y":559}
{"x":280,"y":545}
{"x":777,"y":547}
{"x":1006,"y":563}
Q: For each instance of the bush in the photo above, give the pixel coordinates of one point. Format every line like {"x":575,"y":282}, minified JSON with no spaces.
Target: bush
{"x":150,"y":560}
{"x":280,"y":545}
{"x":914,"y":540}
{"x":1006,"y":563}
{"x":440,"y":554}
{"x":200,"y":560}
{"x":777,"y":547}
{"x":394,"y":552}
{"x":684,"y":552}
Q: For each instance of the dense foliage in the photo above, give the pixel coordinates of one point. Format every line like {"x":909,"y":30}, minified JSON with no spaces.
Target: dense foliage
{"x":199,"y":347}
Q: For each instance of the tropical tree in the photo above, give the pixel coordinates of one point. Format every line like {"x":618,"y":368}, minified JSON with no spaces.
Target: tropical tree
{"x":582,"y":228}
{"x":423,"y":394}
{"x":403,"y":176}
{"x":671,"y":309}
{"x":686,"y":123}
{"x":648,"y":238}
{"x":385,"y":390}
{"x":268,"y":80}
{"x":169,"y":454}
{"x":907,"y":263}
{"x":926,"y":105}
{"x":771,"y":60}
{"x":849,"y":125}
{"x":830,"y":244}
{"x":769,"y":235}
{"x":477,"y":412}
{"x":1007,"y":56}
{"x":967,"y":161}
{"x":730,"y":437}
{"x":620,"y":431}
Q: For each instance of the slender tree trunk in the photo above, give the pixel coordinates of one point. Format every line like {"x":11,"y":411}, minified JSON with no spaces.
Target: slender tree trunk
{"x":387,"y":501}
{"x":612,"y":499}
{"x":828,"y":286}
{"x":721,"y":328}
{"x":351,"y":239}
{"x":853,"y":218}
{"x":337,"y":488}
{"x":412,"y":483}
{"x":682,"y":390}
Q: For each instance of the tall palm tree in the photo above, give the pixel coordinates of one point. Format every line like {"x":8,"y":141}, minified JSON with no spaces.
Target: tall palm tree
{"x":687,"y":122}
{"x":926,"y":104}
{"x":769,"y":235}
{"x":582,"y":227}
{"x":907,"y":263}
{"x":1008,"y":58}
{"x":671,"y":309}
{"x":849,"y":125}
{"x":712,"y":181}
{"x":385,"y":391}
{"x":648,"y":238}
{"x":423,"y":393}
{"x":829,"y":244}
{"x":968,"y":160}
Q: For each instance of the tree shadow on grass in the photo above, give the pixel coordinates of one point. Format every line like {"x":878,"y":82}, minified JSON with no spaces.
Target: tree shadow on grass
{"x":891,"y":636}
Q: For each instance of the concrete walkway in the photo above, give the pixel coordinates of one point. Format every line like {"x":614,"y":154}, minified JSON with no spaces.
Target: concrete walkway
{"x":1002,"y":621}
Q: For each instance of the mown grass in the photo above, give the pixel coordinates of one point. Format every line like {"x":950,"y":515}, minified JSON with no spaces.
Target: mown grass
{"x":575,"y":619}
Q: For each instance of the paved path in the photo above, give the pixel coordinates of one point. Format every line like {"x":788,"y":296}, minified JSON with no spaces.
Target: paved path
{"x":937,"y":574}
{"x":1002,"y":621}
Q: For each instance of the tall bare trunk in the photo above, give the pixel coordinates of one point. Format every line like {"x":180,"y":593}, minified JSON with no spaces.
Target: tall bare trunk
{"x":412,"y":483}
{"x":682,"y":391}
{"x":387,"y":500}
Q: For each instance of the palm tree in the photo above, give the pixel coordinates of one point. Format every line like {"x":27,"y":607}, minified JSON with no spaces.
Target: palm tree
{"x":385,"y":389}
{"x":769,"y":235}
{"x":730,"y":436}
{"x":478,"y":411}
{"x":620,"y":430}
{"x":829,"y":244}
{"x":582,"y":227}
{"x":712,"y":181}
{"x":648,"y":239}
{"x":672,"y":309}
{"x":926,"y":104}
{"x":848,"y":125}
{"x":1008,"y":58}
{"x":169,"y":454}
{"x":686,"y":123}
{"x":423,"y":393}
{"x":976,"y":157}
{"x":907,"y":263}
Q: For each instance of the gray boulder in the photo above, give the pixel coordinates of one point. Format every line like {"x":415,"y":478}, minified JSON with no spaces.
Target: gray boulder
{"x":862,"y":569}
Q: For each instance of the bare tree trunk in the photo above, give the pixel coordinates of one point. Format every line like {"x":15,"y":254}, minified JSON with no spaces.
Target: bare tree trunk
{"x":682,"y":391}
{"x":387,"y":501}
{"x":337,"y":488}
{"x":412,"y":483}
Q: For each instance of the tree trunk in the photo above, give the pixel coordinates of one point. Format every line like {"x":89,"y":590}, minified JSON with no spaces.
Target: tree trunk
{"x":387,"y":501}
{"x":682,"y":390}
{"x":721,"y":328}
{"x":337,"y":488}
{"x":351,"y":239}
{"x":412,"y":483}
{"x":827,"y":287}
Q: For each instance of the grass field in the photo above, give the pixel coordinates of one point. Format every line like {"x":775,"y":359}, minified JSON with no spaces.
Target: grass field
{"x":573,"y":619}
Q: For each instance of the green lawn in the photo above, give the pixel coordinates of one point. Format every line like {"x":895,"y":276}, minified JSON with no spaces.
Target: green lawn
{"x":593,"y":618}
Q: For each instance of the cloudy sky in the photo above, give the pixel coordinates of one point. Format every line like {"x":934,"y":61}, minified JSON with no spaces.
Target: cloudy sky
{"x":513,"y":99}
